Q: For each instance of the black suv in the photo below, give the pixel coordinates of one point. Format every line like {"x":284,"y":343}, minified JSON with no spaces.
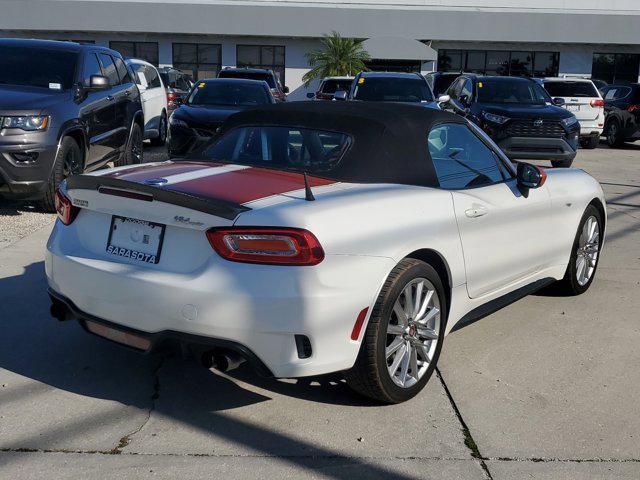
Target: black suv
{"x":519,"y":115}
{"x":65,"y":108}
{"x":621,"y":113}
{"x":278,"y":91}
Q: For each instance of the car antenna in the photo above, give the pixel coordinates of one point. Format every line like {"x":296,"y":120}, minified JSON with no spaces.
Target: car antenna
{"x":308,"y":194}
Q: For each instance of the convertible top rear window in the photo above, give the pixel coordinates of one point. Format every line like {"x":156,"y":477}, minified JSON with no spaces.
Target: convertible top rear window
{"x":280,"y":147}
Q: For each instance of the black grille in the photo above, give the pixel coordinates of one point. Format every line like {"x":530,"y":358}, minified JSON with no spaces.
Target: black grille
{"x":533,"y":128}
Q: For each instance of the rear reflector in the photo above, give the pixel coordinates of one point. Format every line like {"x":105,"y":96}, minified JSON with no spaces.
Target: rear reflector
{"x":270,"y":246}
{"x":597,"y":103}
{"x":118,"y":336}
{"x":116,"y":192}
{"x":357,"y":327}
{"x":67,"y":212}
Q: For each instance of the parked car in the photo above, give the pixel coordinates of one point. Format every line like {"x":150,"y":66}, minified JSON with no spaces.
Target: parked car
{"x":329,"y":86}
{"x":177,"y":85}
{"x":519,"y":115}
{"x":278,"y":91}
{"x":389,"y":87}
{"x":208,"y":106}
{"x":65,"y":109}
{"x":154,"y":100}
{"x":581,"y":97}
{"x":622,"y":113}
{"x":318,"y":237}
{"x":441,"y":81}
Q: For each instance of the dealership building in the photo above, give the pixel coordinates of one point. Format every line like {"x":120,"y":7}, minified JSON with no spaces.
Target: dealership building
{"x":585,"y":38}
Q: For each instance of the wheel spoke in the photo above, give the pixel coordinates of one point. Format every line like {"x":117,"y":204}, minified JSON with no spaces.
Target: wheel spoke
{"x":580,"y":266}
{"x":427,"y":333}
{"x":425,"y":353}
{"x":400,"y":313}
{"x":394,"y":346}
{"x":405,"y":364}
{"x":416,"y":302}
{"x":414,"y":363}
{"x":432,"y":313}
{"x":408,"y":301}
{"x":395,"y":330}
{"x":397,"y":359}
{"x":425,"y":304}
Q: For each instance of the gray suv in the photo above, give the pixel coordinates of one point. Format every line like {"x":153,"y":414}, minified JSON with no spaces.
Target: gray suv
{"x":65,"y":109}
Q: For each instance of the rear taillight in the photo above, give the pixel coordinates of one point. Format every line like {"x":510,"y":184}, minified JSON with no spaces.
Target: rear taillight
{"x":632,"y":108}
{"x":171,"y":96}
{"x":66,"y":211}
{"x":271,"y":246}
{"x":597,"y":103}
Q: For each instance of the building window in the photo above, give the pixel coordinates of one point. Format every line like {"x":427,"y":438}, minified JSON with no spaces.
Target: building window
{"x":147,"y":51}
{"x":199,"y":60}
{"x":616,"y":67}
{"x":500,"y":62}
{"x":262,"y":56}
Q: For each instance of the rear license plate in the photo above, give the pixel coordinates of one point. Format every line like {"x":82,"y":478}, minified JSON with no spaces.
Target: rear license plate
{"x":573,"y":108}
{"x":135,"y":239}
{"x":118,"y":335}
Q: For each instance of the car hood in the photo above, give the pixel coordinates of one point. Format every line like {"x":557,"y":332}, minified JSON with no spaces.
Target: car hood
{"x":524,"y":110}
{"x":28,"y":99}
{"x":200,"y":115}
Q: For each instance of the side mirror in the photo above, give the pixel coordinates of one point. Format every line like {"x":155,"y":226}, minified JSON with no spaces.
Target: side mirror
{"x":311,"y":95}
{"x":444,"y":98}
{"x":530,"y":176}
{"x":99,"y":82}
{"x":285,"y":89}
{"x":559,"y":102}
{"x":340,"y":95}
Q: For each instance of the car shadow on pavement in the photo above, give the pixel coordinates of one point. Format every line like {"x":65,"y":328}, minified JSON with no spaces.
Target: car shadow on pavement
{"x":39,"y":353}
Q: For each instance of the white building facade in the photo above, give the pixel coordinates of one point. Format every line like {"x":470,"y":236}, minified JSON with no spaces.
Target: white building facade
{"x":587,"y":38}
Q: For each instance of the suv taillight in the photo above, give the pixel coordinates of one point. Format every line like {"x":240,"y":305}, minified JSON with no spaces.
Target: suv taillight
{"x":67,"y":212}
{"x":632,"y":108}
{"x":266,"y":245}
{"x":597,"y":103}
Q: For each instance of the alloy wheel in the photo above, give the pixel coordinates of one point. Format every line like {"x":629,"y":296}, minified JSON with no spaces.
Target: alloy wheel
{"x":588,"y":250}
{"x":136,"y":148}
{"x":413,"y":332}
{"x":71,"y":165}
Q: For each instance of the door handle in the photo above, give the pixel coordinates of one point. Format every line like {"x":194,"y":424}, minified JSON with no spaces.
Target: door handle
{"x":476,"y":211}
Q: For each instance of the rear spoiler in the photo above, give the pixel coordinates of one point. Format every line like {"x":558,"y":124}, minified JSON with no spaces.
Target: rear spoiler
{"x":125,"y":188}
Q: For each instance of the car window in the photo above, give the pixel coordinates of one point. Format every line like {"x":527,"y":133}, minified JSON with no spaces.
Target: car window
{"x":392,"y":89}
{"x":467,"y":89}
{"x":461,"y":159}
{"x":123,"y":71}
{"x":616,"y":93}
{"x":249,"y":75}
{"x":286,"y":148}
{"x":109,"y":69}
{"x":229,"y":93}
{"x":571,"y":89}
{"x":91,"y":67}
{"x":184,"y":83}
{"x":153,"y":79}
{"x":455,"y":88}
{"x":333,"y":85}
{"x":37,"y":67}
{"x":511,"y":90}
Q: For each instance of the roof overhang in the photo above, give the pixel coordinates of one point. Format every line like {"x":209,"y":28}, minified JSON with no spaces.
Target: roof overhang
{"x":398,"y":48}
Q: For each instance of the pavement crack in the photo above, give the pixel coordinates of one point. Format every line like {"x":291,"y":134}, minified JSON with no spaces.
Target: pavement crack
{"x":124,"y":441}
{"x":468,"y":438}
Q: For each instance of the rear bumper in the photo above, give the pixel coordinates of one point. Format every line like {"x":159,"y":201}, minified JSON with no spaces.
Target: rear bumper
{"x":536,"y":148}
{"x":259,"y":307}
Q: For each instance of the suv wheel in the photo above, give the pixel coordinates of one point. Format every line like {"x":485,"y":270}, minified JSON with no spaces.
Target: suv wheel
{"x":614,"y":137}
{"x":161,"y":139}
{"x":402,"y":342}
{"x":133,"y":155}
{"x":68,"y":162}
{"x":590,"y":143}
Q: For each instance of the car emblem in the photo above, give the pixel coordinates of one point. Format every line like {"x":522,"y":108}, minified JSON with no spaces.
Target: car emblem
{"x":156,"y":181}
{"x":538,"y":123}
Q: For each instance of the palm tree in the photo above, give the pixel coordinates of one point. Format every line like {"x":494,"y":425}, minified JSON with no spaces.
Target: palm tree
{"x":338,"y":56}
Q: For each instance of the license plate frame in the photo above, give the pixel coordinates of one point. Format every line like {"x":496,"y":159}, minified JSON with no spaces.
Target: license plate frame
{"x":573,"y":108}
{"x":136,"y":255}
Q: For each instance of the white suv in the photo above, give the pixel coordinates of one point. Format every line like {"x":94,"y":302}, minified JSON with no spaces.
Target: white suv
{"x":583,"y":99}
{"x":154,"y":100}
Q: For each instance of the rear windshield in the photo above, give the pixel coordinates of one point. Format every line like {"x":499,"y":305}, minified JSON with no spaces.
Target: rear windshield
{"x":510,"y":90}
{"x":249,"y":76}
{"x":571,"y":89}
{"x":332,"y":86}
{"x":228,"y":94}
{"x":37,"y":67}
{"x":392,"y":89}
{"x":283,"y":148}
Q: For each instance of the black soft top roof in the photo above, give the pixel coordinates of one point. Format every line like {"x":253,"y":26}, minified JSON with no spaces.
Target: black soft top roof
{"x":389,"y":140}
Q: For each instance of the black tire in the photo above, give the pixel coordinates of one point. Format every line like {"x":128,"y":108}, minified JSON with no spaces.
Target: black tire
{"x":613,"y":134}
{"x":561,"y":163}
{"x":135,"y":148}
{"x":370,"y":375}
{"x":569,"y":285}
{"x":163,"y":128}
{"x":590,"y":143}
{"x":68,"y":161}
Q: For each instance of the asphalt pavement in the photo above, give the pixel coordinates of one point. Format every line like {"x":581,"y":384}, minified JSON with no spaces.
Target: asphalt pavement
{"x":546,"y":388}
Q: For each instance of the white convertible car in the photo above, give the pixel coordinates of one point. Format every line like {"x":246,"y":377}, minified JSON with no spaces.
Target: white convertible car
{"x":320,"y":237}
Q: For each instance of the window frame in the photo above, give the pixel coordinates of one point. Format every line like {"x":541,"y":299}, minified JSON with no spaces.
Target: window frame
{"x":104,"y":70}
{"x":135,"y":49}
{"x":198,"y":64}
{"x":502,"y":162}
{"x":266,"y":66}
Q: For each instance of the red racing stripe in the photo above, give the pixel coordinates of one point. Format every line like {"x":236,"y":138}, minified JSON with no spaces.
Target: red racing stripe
{"x":140,"y":173}
{"x":247,"y":185}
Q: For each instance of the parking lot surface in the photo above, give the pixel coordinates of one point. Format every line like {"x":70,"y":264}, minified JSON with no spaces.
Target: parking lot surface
{"x":546,"y":388}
